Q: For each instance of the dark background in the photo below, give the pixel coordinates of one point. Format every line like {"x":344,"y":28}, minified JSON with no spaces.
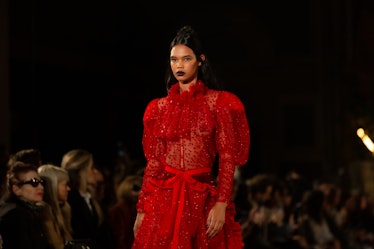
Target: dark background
{"x":82,"y":72}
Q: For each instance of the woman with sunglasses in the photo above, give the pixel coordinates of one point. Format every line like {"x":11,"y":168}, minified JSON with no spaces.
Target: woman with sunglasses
{"x":21,"y":216}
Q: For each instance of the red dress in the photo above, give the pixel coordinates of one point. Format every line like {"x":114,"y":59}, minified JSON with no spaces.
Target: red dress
{"x":183,"y":134}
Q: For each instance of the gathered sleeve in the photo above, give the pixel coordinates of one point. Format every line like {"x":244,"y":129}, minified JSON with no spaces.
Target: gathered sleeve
{"x":232,"y":141}
{"x":153,"y":150}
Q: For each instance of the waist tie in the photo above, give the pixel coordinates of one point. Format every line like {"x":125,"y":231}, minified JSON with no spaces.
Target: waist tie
{"x":178,"y":183}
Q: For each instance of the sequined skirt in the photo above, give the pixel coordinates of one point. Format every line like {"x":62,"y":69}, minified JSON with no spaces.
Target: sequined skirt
{"x":176,"y":214}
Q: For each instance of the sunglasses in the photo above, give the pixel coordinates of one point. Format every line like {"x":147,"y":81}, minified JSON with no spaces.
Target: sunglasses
{"x":33,"y":182}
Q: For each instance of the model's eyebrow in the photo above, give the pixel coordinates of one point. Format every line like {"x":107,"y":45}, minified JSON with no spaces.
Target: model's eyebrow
{"x":184,"y":56}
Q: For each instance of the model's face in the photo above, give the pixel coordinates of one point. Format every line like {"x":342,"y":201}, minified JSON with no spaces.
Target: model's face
{"x":30,"y":187}
{"x":184,"y":64}
{"x":63,"y":190}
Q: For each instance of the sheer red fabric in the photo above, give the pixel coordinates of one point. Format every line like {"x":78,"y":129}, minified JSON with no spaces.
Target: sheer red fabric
{"x":183,"y":134}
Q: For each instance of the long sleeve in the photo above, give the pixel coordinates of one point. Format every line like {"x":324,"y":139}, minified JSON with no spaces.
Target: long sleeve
{"x":184,"y":133}
{"x":232,"y":141}
{"x":153,"y":150}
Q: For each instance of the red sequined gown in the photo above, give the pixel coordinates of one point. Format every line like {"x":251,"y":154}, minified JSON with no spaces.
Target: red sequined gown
{"x":183,"y":133}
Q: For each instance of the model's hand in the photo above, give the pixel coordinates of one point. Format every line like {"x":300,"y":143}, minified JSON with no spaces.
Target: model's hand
{"x":216,"y":219}
{"x":138,"y":221}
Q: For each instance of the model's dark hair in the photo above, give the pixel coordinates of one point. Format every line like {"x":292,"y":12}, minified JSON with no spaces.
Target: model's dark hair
{"x":187,"y":36}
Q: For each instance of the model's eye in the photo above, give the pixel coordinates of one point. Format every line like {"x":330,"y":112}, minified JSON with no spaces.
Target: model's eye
{"x":173,"y":60}
{"x":187,"y":58}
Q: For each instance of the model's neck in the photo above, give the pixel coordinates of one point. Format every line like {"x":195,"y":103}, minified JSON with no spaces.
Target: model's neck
{"x":185,"y":86}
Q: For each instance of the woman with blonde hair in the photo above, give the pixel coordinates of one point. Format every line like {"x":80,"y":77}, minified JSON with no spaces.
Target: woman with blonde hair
{"x":56,"y":191}
{"x":87,"y":218}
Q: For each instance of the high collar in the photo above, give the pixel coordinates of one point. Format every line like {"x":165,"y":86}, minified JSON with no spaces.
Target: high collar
{"x":193,"y":90}
{"x":36,"y":207}
{"x":180,"y":112}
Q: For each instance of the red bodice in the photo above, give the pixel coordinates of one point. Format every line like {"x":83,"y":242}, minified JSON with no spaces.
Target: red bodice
{"x":187,"y":130}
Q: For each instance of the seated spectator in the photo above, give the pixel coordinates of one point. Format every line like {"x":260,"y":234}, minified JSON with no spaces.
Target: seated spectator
{"x":28,"y":156}
{"x":254,"y":228}
{"x":21,"y":215}
{"x":87,"y":218}
{"x":315,"y":226}
{"x":280,"y":231}
{"x":58,"y":213}
{"x":123,"y":213}
{"x":358,"y":219}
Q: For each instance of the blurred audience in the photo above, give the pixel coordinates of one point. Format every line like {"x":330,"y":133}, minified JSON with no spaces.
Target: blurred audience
{"x":358,"y":220}
{"x":44,"y":206}
{"x":254,"y":228}
{"x":123,"y":213}
{"x":316,"y":227}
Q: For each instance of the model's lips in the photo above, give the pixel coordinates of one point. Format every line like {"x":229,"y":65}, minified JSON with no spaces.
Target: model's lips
{"x":180,"y":73}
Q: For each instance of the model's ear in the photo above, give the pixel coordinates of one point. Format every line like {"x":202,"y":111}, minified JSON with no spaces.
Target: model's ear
{"x":202,"y":58}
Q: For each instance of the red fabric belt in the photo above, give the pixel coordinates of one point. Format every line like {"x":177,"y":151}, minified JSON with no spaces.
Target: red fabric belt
{"x":178,"y":183}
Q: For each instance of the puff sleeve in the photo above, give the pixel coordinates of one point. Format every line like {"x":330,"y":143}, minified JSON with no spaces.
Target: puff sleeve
{"x":232,"y":141}
{"x":153,"y":149}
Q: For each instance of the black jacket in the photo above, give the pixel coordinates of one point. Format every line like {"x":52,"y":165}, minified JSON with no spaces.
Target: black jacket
{"x":85,"y":223}
{"x":21,"y":226}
